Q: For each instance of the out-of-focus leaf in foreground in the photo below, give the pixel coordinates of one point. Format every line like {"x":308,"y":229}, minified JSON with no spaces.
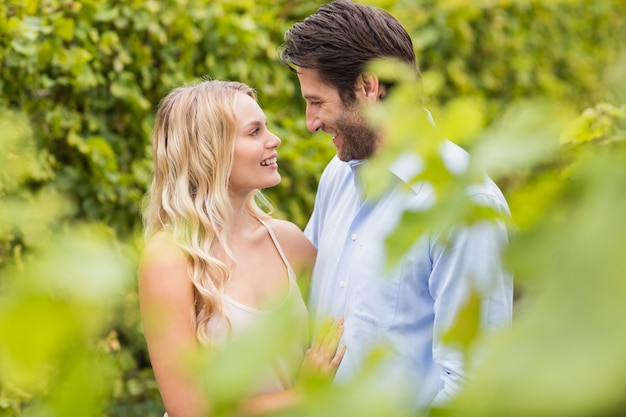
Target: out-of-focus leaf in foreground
{"x":56,"y":299}
{"x":566,"y":353}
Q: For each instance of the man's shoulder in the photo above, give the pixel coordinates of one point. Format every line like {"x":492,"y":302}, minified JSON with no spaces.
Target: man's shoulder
{"x":454,"y":157}
{"x":484,"y":191}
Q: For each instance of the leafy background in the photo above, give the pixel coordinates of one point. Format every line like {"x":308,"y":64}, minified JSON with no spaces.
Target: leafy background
{"x":535,"y":89}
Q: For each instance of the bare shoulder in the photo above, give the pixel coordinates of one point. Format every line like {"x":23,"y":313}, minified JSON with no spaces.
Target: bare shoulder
{"x":288,"y":233}
{"x":163,"y":263}
{"x":298,"y":249}
{"x":161,"y":249}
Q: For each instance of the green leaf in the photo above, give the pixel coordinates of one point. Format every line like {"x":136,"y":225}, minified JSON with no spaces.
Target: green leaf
{"x":465,"y":328}
{"x":64,"y":28}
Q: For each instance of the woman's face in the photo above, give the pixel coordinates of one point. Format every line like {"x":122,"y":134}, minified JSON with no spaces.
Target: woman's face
{"x":254,"y":163}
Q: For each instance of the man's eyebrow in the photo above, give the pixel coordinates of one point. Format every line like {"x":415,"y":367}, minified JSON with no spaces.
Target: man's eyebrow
{"x":311,"y":97}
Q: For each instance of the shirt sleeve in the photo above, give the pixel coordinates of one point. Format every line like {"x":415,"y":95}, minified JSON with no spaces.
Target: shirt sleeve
{"x":469,"y":261}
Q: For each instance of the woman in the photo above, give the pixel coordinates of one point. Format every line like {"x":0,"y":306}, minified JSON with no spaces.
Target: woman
{"x":215,"y":263}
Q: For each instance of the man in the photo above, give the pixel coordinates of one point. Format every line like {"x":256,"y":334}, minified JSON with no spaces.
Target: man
{"x":408,"y":310}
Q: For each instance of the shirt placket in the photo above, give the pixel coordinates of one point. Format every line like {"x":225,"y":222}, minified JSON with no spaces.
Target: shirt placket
{"x":351,"y":246}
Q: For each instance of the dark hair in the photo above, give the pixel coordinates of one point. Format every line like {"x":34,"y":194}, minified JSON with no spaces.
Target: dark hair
{"x":341,"y":39}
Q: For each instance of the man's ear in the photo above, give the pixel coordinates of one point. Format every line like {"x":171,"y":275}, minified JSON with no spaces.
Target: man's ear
{"x":369,"y":87}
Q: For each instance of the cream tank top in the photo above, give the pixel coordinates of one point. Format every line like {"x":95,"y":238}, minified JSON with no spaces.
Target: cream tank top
{"x":281,"y":373}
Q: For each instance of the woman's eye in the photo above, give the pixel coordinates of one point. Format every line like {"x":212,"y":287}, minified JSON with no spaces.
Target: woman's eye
{"x":255,"y":132}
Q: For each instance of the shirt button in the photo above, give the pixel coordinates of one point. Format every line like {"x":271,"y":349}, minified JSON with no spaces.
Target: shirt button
{"x":353,"y":236}
{"x":342,"y":284}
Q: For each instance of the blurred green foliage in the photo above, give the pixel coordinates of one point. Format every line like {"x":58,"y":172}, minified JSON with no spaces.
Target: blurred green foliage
{"x":566,"y":355}
{"x":566,"y":352}
{"x":58,"y":291}
{"x":79,"y":82}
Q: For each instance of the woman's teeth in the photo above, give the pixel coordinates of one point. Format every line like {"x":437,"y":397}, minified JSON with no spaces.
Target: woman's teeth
{"x":267,"y":162}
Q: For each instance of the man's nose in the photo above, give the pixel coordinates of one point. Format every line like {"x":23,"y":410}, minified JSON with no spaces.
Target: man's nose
{"x":313,"y":122}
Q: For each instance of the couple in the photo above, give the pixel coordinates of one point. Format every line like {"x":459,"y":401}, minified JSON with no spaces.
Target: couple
{"x":215,"y":263}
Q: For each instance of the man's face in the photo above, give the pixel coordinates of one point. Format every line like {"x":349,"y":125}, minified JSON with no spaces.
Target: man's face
{"x":351,"y":134}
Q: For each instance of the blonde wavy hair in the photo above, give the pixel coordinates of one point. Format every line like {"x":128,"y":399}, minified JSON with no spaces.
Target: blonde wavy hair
{"x":192,"y":146}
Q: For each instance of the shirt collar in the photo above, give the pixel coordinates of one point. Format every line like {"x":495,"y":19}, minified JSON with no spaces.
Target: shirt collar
{"x":354,"y":163}
{"x":405,"y":168}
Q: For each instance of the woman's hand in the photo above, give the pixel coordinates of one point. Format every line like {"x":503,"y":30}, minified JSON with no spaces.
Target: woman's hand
{"x":324,"y":356}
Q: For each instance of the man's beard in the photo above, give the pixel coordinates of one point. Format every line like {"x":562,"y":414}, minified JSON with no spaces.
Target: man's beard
{"x":359,"y":139}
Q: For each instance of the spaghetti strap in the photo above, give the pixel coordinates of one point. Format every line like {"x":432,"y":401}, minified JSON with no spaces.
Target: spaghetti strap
{"x":279,"y":248}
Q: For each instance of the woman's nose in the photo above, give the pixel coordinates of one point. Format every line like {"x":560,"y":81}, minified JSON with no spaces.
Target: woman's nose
{"x":274,"y":141}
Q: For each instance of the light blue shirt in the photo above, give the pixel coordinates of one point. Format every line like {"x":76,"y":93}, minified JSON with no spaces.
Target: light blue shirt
{"x":405,"y":311}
